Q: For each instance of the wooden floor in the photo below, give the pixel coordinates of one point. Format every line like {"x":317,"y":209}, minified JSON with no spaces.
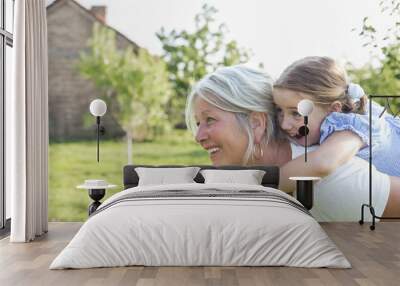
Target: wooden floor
{"x":374,"y":255}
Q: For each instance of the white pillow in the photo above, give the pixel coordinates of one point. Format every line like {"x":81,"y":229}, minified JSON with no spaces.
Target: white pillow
{"x":248,"y":177}
{"x":163,"y":176}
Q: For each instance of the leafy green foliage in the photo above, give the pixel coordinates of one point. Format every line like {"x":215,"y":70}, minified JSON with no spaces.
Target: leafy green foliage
{"x":382,"y":78}
{"x":391,"y":35}
{"x":192,"y":55}
{"x":135,"y":84}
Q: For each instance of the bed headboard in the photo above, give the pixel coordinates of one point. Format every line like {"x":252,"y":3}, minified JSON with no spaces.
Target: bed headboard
{"x":270,"y":179}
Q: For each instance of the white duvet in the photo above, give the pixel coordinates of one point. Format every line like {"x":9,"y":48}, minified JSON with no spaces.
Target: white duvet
{"x":183,"y":231}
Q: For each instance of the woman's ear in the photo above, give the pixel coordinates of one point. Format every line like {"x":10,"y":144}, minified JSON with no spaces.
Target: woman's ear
{"x":336,"y":106}
{"x":258,"y":125}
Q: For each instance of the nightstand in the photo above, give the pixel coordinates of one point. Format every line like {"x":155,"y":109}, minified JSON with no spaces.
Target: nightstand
{"x":304,"y":190}
{"x":96,"y":190}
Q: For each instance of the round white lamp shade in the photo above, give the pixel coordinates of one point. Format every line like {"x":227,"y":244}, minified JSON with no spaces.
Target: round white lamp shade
{"x":98,"y":107}
{"x":305,"y":107}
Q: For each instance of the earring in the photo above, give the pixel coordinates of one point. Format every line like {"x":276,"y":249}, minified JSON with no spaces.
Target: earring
{"x":261,"y":151}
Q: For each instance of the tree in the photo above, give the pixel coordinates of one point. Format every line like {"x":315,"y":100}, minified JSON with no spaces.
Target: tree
{"x":191,"y":55}
{"x":374,"y":38}
{"x":384,"y":77}
{"x":379,"y":80}
{"x":135,"y":85}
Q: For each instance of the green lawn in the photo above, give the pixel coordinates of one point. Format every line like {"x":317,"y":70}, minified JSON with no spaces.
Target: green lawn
{"x":71,"y":163}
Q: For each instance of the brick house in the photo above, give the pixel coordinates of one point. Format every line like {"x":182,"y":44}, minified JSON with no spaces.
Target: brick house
{"x":69,"y":27}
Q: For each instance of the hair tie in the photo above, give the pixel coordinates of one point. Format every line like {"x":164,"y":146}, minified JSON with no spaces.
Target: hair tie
{"x":355,"y":92}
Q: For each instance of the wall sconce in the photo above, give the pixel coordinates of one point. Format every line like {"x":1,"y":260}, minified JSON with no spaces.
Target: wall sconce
{"x":305,"y":107}
{"x":98,"y":108}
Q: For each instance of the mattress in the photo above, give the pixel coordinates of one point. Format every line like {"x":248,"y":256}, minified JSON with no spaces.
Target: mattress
{"x":201,"y":225}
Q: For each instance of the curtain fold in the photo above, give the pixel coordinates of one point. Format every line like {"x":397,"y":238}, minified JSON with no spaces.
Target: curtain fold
{"x":28,"y":123}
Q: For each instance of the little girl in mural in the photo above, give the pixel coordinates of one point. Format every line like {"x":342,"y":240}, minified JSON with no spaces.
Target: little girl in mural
{"x":339,"y":106}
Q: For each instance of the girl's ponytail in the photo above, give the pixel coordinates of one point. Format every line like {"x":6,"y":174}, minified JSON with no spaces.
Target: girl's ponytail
{"x":356,"y":99}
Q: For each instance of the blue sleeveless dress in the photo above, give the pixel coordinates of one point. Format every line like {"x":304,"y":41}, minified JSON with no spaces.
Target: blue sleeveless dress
{"x":385,"y":136}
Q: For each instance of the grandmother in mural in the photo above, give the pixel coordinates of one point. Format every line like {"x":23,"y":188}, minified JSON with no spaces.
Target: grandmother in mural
{"x":233,"y":117}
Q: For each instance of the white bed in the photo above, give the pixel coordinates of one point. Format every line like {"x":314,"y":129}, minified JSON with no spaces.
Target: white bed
{"x":251,"y":225}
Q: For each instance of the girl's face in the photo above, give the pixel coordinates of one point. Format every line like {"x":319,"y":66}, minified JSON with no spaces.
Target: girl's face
{"x":290,"y":120}
{"x":220,"y":134}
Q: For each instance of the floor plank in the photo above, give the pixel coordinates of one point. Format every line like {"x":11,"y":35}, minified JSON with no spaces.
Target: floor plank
{"x":374,"y":255}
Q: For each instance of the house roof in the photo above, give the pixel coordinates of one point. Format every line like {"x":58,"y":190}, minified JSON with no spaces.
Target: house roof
{"x":58,"y":3}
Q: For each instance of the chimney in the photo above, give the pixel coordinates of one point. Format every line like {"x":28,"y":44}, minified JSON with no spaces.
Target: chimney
{"x":99,"y":12}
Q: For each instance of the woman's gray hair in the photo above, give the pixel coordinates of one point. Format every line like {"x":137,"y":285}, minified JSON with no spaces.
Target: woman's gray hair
{"x":241,"y":90}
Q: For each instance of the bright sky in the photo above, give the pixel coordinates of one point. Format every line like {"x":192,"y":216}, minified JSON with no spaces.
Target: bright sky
{"x":278,"y":32}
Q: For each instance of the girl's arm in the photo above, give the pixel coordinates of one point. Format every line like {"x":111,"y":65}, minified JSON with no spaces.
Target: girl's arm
{"x":336,"y":150}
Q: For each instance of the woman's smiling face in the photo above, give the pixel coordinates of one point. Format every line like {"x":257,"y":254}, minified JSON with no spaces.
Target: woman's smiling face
{"x":290,"y":120}
{"x":220,"y":134}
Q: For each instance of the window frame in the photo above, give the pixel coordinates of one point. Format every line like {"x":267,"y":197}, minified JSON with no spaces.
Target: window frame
{"x":6,"y":39}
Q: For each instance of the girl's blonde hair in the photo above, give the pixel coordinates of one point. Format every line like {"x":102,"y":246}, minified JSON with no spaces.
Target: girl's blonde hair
{"x":324,"y":80}
{"x":240,"y":90}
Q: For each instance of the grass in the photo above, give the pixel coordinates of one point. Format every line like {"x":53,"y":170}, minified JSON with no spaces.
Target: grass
{"x":73,"y":162}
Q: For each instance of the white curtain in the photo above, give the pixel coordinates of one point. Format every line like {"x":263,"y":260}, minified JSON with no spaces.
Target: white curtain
{"x":27,"y":123}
